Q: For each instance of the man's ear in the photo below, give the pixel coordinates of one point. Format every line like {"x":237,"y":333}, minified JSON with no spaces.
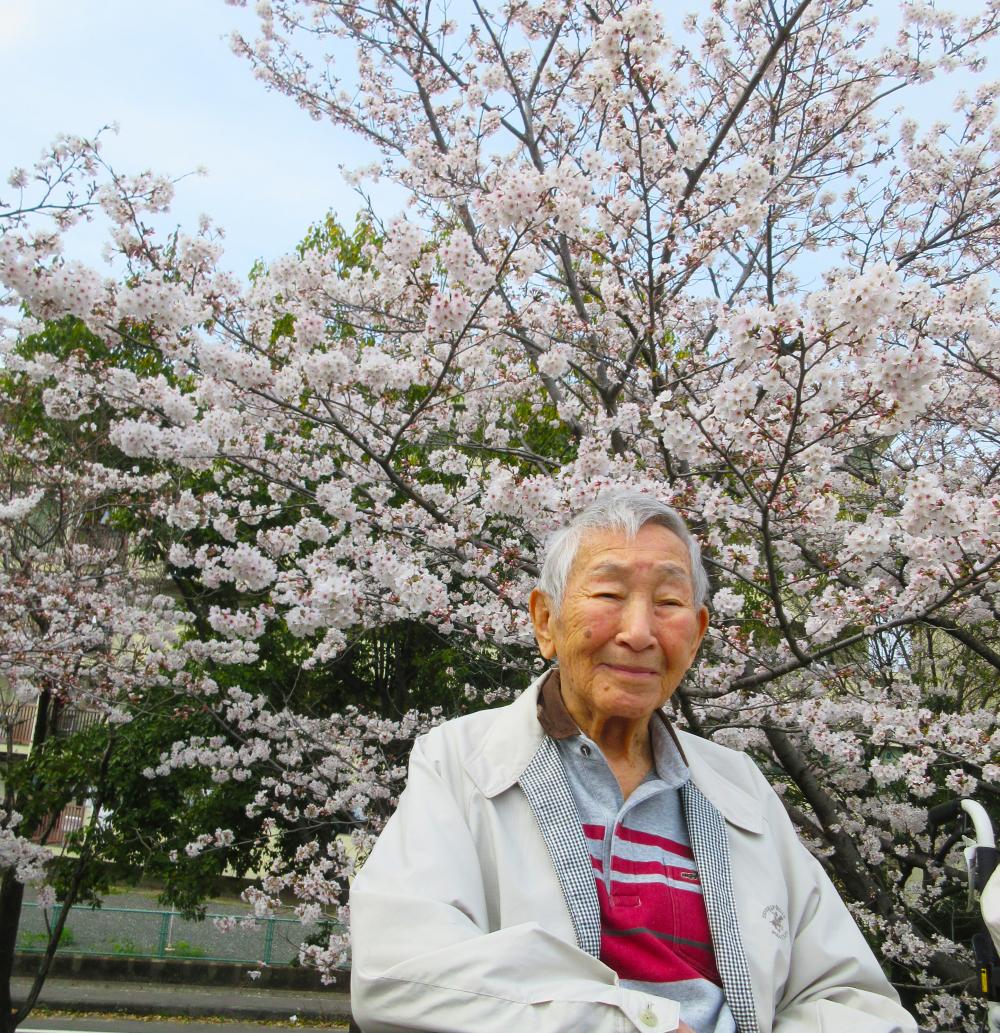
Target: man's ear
{"x":702,"y":628}
{"x":541,"y":620}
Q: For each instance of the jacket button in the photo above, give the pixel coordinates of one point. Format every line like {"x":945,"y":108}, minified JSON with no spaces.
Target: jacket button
{"x":585,"y":750}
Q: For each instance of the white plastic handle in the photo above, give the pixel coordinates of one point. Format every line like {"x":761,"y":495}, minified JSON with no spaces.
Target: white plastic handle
{"x":980,"y":822}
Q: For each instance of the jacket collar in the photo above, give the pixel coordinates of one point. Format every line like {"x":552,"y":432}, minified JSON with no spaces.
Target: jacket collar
{"x":514,"y":735}
{"x":731,"y":800}
{"x":509,"y":744}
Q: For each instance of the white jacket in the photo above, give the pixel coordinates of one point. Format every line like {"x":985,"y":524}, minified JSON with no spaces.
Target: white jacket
{"x":459,"y":921}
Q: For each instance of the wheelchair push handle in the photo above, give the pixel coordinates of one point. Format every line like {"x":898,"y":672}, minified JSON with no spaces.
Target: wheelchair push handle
{"x":944,"y":813}
{"x":981,"y":858}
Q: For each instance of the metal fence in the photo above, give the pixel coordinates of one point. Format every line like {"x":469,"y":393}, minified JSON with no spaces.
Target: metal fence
{"x":142,"y":933}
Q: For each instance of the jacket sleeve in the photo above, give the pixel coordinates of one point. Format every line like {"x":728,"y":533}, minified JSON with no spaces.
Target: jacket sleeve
{"x":423,"y":957}
{"x":835,"y":983}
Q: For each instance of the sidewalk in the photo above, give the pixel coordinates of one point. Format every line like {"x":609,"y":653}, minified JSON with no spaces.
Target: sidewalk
{"x":231,"y":1003}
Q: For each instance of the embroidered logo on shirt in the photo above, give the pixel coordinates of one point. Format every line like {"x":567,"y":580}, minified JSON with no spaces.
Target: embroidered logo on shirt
{"x":779,"y":924}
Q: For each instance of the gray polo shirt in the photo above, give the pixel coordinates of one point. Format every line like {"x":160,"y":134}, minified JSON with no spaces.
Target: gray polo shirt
{"x":654,"y":927}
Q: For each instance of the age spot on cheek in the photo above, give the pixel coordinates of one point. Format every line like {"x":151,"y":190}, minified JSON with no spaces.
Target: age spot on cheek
{"x":588,"y":634}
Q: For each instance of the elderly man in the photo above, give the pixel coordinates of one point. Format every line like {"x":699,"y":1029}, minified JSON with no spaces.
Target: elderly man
{"x":572,"y":864}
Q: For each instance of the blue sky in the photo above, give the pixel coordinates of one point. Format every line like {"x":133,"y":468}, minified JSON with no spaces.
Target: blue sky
{"x":163,"y":70}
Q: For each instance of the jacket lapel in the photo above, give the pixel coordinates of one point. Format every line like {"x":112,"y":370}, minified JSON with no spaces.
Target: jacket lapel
{"x":707,"y":832}
{"x":551,"y":800}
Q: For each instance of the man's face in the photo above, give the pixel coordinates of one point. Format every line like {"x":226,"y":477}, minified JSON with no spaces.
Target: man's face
{"x":628,"y":628}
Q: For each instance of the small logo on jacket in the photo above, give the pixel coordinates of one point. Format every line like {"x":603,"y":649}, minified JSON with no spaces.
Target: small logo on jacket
{"x":774,"y":915}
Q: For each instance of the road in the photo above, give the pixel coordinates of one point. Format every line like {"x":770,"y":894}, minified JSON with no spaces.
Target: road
{"x":239,"y":1007}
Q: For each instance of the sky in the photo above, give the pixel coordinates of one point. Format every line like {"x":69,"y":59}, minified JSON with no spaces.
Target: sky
{"x":164,"y":72}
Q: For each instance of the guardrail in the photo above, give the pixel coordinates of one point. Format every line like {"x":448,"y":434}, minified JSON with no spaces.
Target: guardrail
{"x":144,"y":933}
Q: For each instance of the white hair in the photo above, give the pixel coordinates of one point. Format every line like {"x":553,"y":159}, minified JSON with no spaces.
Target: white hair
{"x":618,"y":509}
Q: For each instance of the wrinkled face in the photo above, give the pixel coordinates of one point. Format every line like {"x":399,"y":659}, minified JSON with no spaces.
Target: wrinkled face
{"x":628,"y":629}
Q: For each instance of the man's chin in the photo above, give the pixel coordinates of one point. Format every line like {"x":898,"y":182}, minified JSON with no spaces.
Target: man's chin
{"x":630,"y":701}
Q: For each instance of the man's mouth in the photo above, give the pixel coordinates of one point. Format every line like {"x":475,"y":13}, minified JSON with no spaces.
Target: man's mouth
{"x":630,"y":669}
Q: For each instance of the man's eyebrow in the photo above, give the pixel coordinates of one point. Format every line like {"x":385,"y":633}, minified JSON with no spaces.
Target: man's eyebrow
{"x":668,"y":570}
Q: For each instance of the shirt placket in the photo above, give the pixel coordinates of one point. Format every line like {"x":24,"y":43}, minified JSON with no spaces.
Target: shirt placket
{"x":639,"y":796}
{"x":592,"y":761}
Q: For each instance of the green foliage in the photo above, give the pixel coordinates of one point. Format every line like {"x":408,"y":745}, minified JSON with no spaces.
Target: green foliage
{"x":68,"y":338}
{"x":183,"y":949}
{"x":38,"y":941}
{"x":543,"y":432}
{"x":140,"y":821}
{"x":328,"y":237}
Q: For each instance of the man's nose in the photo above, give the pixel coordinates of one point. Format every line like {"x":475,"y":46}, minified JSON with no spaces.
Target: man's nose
{"x":636,"y":628}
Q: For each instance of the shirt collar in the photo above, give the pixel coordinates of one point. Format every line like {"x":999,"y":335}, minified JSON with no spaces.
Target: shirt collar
{"x":552,"y":713}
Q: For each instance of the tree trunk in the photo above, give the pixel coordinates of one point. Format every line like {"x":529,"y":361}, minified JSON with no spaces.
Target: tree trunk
{"x":11,"y":898}
{"x":12,"y":891}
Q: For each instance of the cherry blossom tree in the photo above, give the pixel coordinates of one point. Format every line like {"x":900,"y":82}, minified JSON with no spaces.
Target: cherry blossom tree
{"x":82,"y":640}
{"x":719,"y":263}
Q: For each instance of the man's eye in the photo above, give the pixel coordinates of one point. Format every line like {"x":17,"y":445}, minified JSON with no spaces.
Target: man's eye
{"x":607,"y":595}
{"x":669,"y":602}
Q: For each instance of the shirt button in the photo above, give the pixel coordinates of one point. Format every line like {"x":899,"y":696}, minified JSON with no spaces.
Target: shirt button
{"x":585,"y":750}
{"x":647,"y":1016}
